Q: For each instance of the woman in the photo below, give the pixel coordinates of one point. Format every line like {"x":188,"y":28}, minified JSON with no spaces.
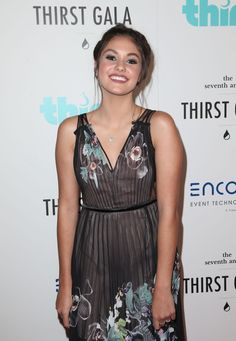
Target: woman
{"x":127,"y":163}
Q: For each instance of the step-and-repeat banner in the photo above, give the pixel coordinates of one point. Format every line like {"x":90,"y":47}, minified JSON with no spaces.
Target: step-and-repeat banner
{"x":47,"y":75}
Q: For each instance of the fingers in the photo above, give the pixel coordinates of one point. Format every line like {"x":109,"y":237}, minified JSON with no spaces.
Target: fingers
{"x":158,"y":325}
{"x":159,"y":322}
{"x":163,"y":311}
{"x":63,"y":306}
{"x":63,"y":318}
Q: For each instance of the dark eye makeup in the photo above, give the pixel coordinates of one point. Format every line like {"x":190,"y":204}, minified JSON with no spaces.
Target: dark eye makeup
{"x":132,"y":61}
{"x":113,"y":58}
{"x":110,"y":57}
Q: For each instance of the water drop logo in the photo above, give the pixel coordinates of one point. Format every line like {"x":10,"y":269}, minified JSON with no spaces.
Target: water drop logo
{"x":55,"y":112}
{"x":227,"y":135}
{"x":85,"y":44}
{"x":226,"y":307}
{"x":201,"y":13}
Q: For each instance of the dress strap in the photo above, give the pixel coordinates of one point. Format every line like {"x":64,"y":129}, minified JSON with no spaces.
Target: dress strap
{"x":145,"y":118}
{"x":80,"y":121}
{"x":146,"y":115}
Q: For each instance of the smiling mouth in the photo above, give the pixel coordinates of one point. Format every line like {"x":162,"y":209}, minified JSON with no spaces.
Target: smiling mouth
{"x":117,"y":78}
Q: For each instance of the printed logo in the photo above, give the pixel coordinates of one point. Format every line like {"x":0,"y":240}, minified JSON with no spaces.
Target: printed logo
{"x":208,"y":284}
{"x":51,"y":206}
{"x":211,"y":189}
{"x":80,"y":15}
{"x":226,"y":307}
{"x":220,"y":283}
{"x":55,"y":112}
{"x":214,"y":194}
{"x":205,"y":14}
{"x":226,"y":258}
{"x":85,"y":44}
{"x":227,"y":135}
{"x":206,"y":110}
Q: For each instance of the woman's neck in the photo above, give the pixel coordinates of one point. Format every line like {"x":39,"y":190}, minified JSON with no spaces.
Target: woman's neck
{"x":116,"y":109}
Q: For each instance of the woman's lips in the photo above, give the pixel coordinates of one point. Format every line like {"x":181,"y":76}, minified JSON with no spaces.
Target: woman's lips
{"x":118,"y":78}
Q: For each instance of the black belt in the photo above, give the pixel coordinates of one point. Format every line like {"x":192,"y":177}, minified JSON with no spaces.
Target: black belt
{"x":121,"y":209}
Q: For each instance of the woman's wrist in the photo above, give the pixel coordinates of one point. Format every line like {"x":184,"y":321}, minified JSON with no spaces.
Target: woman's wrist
{"x":65,"y":289}
{"x":163,"y":286}
{"x":65,"y":284}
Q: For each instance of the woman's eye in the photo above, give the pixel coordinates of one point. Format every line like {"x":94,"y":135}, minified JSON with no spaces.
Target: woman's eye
{"x":110,"y":57}
{"x":132,"y":61}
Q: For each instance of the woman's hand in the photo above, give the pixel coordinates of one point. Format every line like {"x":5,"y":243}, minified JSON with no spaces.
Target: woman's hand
{"x":163,"y":307}
{"x":63,"y":305}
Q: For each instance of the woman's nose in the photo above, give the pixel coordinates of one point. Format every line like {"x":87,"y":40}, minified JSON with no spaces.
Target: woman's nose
{"x":120,"y":66}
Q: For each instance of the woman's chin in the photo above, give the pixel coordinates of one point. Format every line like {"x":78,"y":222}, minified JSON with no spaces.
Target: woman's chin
{"x":117,"y":91}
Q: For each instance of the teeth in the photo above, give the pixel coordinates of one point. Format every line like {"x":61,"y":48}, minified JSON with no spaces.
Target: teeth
{"x":118,"y":78}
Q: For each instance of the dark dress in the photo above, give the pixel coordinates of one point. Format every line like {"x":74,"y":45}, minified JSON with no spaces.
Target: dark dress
{"x":114,"y":255}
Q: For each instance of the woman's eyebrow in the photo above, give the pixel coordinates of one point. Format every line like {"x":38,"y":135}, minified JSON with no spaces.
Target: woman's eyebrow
{"x":129,"y":54}
{"x":110,"y":50}
{"x":133,"y":54}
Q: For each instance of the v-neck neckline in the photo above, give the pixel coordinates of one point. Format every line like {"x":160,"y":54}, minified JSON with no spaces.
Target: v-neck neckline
{"x":111,"y":167}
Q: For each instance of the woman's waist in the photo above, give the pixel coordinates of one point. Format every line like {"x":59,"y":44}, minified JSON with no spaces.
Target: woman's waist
{"x":119,"y":208}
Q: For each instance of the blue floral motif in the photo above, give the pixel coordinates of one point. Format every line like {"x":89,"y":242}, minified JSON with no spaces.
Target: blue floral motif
{"x":130,"y":319}
{"x":94,"y":159}
{"x":176,"y":278}
{"x":137,"y":305}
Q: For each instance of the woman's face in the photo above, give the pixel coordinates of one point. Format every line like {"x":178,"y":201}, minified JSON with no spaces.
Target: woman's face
{"x":119,"y":66}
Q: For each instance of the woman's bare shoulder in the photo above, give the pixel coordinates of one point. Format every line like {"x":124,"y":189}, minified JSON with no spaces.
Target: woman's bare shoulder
{"x":162,"y":119}
{"x":69,"y":124}
{"x":66,"y":130}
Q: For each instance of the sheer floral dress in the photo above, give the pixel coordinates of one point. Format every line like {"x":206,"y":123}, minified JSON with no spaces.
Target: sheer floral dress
{"x":114,"y":255}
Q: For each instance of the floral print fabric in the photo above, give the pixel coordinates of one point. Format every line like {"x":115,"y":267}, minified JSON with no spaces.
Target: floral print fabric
{"x":115,"y":251}
{"x":134,"y":151}
{"x":130,"y":318}
{"x":94,"y":159}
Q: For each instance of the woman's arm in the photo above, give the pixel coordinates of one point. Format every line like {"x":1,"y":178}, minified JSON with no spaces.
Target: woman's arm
{"x":169,"y":156}
{"x":67,"y":213}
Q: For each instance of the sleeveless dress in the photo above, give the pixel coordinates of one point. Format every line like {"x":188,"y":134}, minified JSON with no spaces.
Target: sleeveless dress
{"x":114,"y":255}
